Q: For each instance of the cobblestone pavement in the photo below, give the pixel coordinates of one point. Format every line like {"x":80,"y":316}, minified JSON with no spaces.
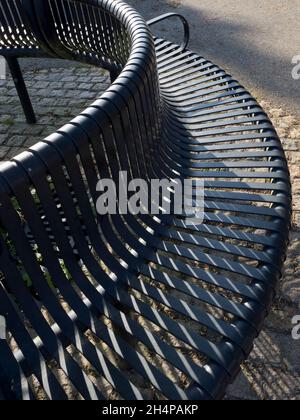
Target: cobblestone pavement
{"x":273,"y":369}
{"x":57,"y":95}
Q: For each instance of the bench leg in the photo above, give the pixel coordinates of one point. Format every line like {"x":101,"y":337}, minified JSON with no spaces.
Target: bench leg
{"x":17,"y":76}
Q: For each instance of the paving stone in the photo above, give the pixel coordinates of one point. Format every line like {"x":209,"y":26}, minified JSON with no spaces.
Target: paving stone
{"x":17,"y":128}
{"x":41,"y":85}
{"x":4,"y":117}
{"x":3,"y":151}
{"x":3,"y":138}
{"x":10,"y":84}
{"x":61,"y":112}
{"x":101,"y":79}
{"x":32,"y":141}
{"x":64,"y":102}
{"x":11,"y":100}
{"x":268,"y":348}
{"x":33,"y":130}
{"x":75,"y":93}
{"x":70,"y":85}
{"x":291,"y":351}
{"x":35,"y":93}
{"x":280,"y":315}
{"x":42,"y":77}
{"x":241,"y":389}
{"x":57,"y":93}
{"x":57,"y":85}
{"x":85,"y":86}
{"x":14,"y":151}
{"x":87,"y":95}
{"x":84,"y":79}
{"x":54,"y":77}
{"x":46,"y":101}
{"x":67,"y":79}
{"x":46,"y":119}
{"x":43,"y":92}
{"x":296,"y":218}
{"x":16,"y":141}
{"x":290,"y":145}
{"x":291,"y":280}
{"x":3,"y":129}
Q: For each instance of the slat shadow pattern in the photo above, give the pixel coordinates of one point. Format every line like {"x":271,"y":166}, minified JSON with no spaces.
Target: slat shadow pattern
{"x":136,"y":307}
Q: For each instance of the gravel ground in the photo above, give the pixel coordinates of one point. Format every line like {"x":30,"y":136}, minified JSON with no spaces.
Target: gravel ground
{"x":59,"y":93}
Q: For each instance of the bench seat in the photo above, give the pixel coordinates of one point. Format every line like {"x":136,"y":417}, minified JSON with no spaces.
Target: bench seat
{"x":142,"y":307}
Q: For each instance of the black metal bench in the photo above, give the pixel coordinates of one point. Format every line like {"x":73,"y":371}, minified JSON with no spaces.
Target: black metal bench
{"x":127,"y":306}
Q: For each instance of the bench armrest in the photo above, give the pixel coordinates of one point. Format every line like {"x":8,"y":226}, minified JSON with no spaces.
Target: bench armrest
{"x":183,"y":20}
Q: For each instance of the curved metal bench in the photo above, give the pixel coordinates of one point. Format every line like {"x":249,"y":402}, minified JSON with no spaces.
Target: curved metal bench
{"x":125,"y":306}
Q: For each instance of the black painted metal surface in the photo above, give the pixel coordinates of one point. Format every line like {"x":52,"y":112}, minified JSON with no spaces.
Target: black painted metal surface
{"x":137,"y":306}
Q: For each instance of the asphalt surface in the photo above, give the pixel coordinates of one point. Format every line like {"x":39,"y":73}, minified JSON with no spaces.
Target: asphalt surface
{"x":253,"y":40}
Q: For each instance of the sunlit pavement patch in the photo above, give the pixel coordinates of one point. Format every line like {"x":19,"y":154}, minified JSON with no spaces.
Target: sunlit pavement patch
{"x":2,"y":68}
{"x":2,"y":328}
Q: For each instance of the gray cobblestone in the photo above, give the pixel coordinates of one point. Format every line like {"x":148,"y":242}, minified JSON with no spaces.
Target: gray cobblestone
{"x":46,"y":101}
{"x":57,"y":93}
{"x":84,"y":79}
{"x":55,"y":97}
{"x":16,"y":141}
{"x":18,"y":128}
{"x":3,"y":129}
{"x":241,"y":389}
{"x":4,"y":151}
{"x":70,"y":85}
{"x":67,"y":79}
{"x":85,"y":86}
{"x":14,"y":151}
{"x":41,"y":85}
{"x":87,"y":95}
{"x":3,"y":138}
{"x":77,"y":93}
